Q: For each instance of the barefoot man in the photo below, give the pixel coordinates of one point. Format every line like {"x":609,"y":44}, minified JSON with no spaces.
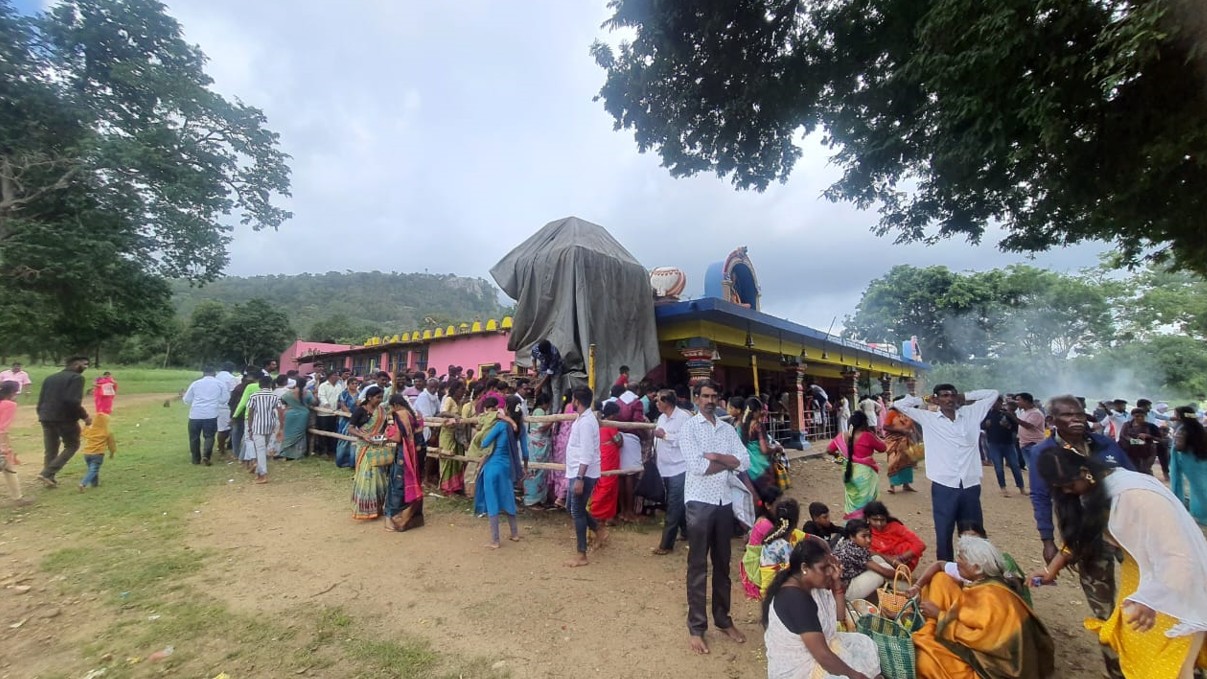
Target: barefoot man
{"x":582,"y":471}
{"x":713,"y":452}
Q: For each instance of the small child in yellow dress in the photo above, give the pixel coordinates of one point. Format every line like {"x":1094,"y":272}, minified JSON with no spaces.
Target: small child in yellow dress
{"x":97,"y":441}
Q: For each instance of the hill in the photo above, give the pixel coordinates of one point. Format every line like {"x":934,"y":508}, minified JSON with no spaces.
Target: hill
{"x":351,"y":304}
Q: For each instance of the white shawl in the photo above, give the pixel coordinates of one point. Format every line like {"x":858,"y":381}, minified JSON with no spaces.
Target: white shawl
{"x":1157,"y":531}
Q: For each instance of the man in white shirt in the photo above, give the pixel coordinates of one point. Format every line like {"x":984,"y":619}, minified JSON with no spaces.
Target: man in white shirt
{"x":671,"y":467}
{"x":712,"y":453}
{"x":953,"y":457}
{"x":205,"y":397}
{"x":582,"y":471}
{"x":227,"y":377}
{"x":17,"y":374}
{"x":427,"y":403}
{"x":328,"y":394}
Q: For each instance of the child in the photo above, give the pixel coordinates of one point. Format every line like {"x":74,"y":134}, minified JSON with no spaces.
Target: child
{"x":819,"y":524}
{"x":97,"y":439}
{"x":777,"y":547}
{"x":103,"y":393}
{"x":8,"y":459}
{"x":862,"y":572}
{"x":1011,"y":573}
{"x":774,"y":515}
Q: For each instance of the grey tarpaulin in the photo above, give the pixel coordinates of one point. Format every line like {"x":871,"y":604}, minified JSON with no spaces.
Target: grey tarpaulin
{"x":575,"y":285}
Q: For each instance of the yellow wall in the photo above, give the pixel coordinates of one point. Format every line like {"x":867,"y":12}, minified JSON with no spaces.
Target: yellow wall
{"x":731,"y":344}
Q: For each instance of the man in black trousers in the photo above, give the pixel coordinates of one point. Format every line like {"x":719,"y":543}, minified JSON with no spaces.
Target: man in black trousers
{"x":60,"y":409}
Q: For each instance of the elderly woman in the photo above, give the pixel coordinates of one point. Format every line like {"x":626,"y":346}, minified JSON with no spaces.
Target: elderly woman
{"x":981,"y":628}
{"x":1160,"y":617}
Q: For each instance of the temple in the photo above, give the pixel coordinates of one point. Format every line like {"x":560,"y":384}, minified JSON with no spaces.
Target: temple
{"x":723,"y":335}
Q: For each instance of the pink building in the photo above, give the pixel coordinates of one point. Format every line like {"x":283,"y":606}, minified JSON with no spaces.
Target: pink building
{"x":300,"y":355}
{"x":475,"y":346}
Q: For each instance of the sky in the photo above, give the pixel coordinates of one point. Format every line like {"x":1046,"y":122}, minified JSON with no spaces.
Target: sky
{"x":437,"y":136}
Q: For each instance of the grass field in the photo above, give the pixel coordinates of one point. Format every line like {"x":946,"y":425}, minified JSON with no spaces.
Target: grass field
{"x":130,"y":380}
{"x":116,"y":557}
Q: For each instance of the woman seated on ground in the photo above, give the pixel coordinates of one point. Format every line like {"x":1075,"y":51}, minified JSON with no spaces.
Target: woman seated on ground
{"x":1160,"y":617}
{"x":800,"y":616}
{"x":768,"y":553}
{"x":862,"y":572}
{"x":891,"y":539}
{"x":1012,"y":572}
{"x":981,"y":628}
{"x":767,"y":509}
{"x":862,"y":476}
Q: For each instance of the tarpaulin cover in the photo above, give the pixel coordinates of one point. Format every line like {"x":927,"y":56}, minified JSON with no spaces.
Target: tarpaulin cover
{"x":575,"y":285}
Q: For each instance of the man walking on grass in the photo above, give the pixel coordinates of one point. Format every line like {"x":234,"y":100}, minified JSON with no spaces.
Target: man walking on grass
{"x":60,"y":409}
{"x":713,"y":452}
{"x":265,"y":419}
{"x":205,"y":398}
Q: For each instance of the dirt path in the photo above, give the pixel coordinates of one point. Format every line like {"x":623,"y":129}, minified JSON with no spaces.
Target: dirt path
{"x":623,"y":616}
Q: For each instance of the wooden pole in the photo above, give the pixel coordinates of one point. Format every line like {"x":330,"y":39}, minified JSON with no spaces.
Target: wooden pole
{"x":754,"y":368}
{"x":591,"y":367}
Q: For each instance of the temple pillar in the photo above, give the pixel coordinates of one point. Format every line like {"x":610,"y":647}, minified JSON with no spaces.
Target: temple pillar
{"x":699,"y":354}
{"x":850,"y":385}
{"x":795,"y":372}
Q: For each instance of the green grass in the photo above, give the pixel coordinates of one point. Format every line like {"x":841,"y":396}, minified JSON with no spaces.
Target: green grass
{"x":124,"y":546}
{"x":130,"y":380}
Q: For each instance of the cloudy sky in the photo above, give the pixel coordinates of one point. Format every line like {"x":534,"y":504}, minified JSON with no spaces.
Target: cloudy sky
{"x":436,"y":136}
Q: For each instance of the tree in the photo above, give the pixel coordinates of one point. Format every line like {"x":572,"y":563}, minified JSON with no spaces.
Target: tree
{"x":256,"y":331}
{"x":205,"y":338}
{"x":118,"y":168}
{"x":1063,"y":121}
{"x":340,"y":329}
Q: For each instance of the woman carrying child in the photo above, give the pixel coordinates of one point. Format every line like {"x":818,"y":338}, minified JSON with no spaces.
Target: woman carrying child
{"x":898,"y":545}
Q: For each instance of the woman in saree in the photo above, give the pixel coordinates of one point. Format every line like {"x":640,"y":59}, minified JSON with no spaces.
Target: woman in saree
{"x":404,"y":495}
{"x":800,"y":616}
{"x":606,"y":497}
{"x":900,"y":438}
{"x":374,"y":456}
{"x":981,"y":628}
{"x":897,"y":544}
{"x":297,"y":402}
{"x":1160,"y":617}
{"x":559,"y":482}
{"x":345,"y":454}
{"x":861,"y":478}
{"x":536,"y":481}
{"x":755,"y":439}
{"x":452,"y":472}
{"x":500,"y":467}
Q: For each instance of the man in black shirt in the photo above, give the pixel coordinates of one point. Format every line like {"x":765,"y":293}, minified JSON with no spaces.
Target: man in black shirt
{"x":60,"y":409}
{"x":1001,"y":426}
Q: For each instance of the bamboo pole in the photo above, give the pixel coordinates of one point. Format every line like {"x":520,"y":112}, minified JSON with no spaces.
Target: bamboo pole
{"x":591,"y":367}
{"x":446,"y":455}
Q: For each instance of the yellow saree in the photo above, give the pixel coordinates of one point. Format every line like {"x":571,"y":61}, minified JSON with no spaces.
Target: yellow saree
{"x":985,"y":631}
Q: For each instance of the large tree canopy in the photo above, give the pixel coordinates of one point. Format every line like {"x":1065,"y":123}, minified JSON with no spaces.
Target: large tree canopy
{"x":119,"y":167}
{"x":1064,"y":121}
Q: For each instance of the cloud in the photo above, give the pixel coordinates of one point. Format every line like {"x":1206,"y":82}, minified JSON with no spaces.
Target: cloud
{"x":438,"y":136}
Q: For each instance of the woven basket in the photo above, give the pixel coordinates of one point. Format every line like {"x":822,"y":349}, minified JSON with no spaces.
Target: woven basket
{"x":892,"y":597}
{"x":894,"y":640}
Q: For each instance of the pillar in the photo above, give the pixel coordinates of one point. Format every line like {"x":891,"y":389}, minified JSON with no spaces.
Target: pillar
{"x":850,"y":386}
{"x":795,"y":372}
{"x":886,"y":383}
{"x":698,"y":353}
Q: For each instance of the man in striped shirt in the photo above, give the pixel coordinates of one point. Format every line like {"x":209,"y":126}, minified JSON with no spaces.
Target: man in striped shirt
{"x":265,"y":419}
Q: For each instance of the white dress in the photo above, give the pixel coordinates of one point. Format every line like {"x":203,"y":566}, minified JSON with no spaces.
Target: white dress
{"x":787,"y":657}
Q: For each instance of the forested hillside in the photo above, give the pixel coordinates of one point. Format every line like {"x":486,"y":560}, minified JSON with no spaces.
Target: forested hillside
{"x":344,"y":306}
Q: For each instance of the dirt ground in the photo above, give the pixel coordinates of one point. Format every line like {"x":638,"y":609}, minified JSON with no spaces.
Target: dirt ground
{"x":293,"y":544}
{"x":622,"y":616}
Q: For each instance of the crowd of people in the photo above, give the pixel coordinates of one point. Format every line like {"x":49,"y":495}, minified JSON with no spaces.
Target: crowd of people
{"x":709,"y":463}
